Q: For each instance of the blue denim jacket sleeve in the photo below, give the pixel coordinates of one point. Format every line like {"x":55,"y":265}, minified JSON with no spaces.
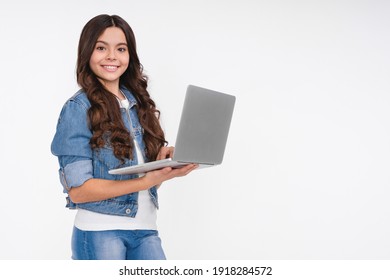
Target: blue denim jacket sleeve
{"x":71,"y":145}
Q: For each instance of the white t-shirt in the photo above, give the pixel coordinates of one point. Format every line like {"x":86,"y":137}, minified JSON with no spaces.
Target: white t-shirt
{"x":146,"y":217}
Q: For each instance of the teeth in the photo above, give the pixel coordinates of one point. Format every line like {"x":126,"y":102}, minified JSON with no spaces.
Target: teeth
{"x":111,"y":67}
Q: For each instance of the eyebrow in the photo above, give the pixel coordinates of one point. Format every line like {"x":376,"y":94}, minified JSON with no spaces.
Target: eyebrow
{"x":105,"y":43}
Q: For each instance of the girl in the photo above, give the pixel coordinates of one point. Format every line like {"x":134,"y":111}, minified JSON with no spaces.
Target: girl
{"x":111,"y":122}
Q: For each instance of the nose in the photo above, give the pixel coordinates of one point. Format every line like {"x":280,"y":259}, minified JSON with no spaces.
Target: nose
{"x":111,"y":55}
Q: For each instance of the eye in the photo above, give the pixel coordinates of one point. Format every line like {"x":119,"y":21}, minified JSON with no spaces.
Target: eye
{"x":100,"y":48}
{"x":122,"y":49}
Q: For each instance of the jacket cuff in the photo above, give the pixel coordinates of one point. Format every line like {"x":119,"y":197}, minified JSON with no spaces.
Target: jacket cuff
{"x":75,"y":174}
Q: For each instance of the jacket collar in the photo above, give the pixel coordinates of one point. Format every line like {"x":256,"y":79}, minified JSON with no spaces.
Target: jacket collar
{"x":129,"y":96}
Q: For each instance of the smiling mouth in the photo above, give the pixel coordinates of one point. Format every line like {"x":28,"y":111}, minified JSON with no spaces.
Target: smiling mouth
{"x":110,"y":67}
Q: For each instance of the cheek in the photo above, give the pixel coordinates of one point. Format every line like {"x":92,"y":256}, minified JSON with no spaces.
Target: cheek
{"x":94,"y":62}
{"x":125,"y":63}
{"x":126,"y":60}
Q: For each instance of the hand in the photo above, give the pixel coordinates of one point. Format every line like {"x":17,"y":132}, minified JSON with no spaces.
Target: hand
{"x":159,"y":176}
{"x":165,"y":152}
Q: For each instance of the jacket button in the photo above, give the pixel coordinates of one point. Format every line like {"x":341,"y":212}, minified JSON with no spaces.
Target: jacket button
{"x":128,"y":211}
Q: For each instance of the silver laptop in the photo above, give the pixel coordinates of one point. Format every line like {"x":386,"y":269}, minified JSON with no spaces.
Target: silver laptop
{"x":203,"y":132}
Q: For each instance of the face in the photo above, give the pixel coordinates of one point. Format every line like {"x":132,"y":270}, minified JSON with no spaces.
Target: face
{"x":110,"y":58}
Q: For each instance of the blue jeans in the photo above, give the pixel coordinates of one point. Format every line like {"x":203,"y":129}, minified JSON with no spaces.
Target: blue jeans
{"x":116,"y":245}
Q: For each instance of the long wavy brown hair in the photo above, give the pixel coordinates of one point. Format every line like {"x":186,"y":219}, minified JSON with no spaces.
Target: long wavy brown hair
{"x":104,"y":114}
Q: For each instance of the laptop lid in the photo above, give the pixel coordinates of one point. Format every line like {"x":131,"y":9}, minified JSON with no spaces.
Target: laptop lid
{"x":204,"y":126}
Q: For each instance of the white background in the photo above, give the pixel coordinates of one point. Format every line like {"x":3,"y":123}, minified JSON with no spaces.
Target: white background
{"x":306,"y":169}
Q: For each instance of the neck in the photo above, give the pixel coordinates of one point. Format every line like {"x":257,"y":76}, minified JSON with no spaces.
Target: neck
{"x":114,"y":89}
{"x":119,"y":94}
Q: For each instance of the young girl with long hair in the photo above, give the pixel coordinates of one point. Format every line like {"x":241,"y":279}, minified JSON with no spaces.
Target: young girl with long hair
{"x":109,"y":123}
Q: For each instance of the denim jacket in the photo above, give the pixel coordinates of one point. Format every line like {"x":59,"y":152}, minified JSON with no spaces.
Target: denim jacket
{"x":79,"y":163}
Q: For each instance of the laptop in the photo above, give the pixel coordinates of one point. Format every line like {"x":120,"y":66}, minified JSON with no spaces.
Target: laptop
{"x":202,"y":135}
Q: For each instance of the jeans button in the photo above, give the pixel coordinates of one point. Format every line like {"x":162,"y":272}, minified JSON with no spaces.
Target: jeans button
{"x":128,"y":211}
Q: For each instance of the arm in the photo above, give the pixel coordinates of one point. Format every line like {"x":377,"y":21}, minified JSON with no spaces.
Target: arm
{"x":100,"y":189}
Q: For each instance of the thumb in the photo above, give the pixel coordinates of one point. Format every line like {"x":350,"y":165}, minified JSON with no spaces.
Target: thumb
{"x":166,"y":170}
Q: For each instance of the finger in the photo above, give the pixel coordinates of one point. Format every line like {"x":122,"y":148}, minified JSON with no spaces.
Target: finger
{"x":171,"y":150}
{"x":185,"y":170}
{"x":165,"y":152}
{"x":192,"y":168}
{"x":165,"y":170}
{"x":160,"y":154}
{"x":168,"y":152}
